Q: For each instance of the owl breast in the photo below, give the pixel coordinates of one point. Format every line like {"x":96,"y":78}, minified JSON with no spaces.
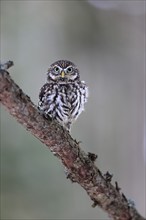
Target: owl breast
{"x":63,"y":102}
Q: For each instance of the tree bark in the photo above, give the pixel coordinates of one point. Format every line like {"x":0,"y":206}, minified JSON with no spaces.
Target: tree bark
{"x":79,"y":166}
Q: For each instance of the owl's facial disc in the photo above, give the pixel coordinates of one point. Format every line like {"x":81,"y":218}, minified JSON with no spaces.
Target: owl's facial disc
{"x":54,"y":73}
{"x":63,"y":74}
{"x":71,"y":73}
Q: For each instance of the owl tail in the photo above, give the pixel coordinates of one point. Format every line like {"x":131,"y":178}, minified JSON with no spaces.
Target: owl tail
{"x":68,"y":126}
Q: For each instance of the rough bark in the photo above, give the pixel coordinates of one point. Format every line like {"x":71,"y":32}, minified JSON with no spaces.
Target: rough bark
{"x":80,"y":166}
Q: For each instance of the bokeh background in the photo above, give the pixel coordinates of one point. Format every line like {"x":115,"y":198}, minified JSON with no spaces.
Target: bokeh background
{"x":106,"y":40}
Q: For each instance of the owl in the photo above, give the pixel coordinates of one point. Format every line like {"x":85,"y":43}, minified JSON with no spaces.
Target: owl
{"x":64,"y":95}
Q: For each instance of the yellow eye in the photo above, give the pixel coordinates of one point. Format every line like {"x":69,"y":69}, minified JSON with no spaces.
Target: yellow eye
{"x":56,"y":69}
{"x":69,"y":70}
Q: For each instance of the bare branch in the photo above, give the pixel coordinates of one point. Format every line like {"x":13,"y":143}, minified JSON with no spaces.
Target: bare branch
{"x":80,"y":166}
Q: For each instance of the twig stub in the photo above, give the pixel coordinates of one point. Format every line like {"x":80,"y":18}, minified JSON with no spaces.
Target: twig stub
{"x":7,"y":65}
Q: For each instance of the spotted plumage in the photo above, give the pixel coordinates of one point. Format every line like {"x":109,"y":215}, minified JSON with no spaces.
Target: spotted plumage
{"x":64,"y":95}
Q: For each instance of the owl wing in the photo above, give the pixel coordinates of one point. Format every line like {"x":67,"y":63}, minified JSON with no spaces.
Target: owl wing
{"x":78,"y":99}
{"x":45,"y":98}
{"x":84,"y":91}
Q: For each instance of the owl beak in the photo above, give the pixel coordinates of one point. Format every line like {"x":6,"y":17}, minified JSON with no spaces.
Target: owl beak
{"x":62,"y":74}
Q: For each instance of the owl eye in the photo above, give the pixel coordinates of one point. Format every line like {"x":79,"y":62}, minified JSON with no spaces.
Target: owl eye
{"x":56,"y":69}
{"x":69,"y":70}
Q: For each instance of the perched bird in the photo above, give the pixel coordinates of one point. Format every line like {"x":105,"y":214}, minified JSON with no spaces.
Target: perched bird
{"x":64,"y":95}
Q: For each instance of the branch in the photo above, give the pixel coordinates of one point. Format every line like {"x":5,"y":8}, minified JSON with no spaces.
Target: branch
{"x":80,"y":166}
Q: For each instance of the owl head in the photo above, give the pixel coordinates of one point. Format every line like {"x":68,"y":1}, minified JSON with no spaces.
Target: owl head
{"x":63,"y":71}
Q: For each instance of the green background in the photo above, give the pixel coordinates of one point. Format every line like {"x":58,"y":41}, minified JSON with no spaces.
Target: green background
{"x":106,"y":40}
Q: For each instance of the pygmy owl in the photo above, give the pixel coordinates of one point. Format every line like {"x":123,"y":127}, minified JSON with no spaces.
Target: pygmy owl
{"x":64,"y":95}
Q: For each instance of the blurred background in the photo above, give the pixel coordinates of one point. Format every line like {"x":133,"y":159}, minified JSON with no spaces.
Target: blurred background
{"x":106,"y":40}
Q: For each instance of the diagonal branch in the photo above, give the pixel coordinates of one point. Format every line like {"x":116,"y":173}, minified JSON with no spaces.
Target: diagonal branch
{"x":80,"y":166}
